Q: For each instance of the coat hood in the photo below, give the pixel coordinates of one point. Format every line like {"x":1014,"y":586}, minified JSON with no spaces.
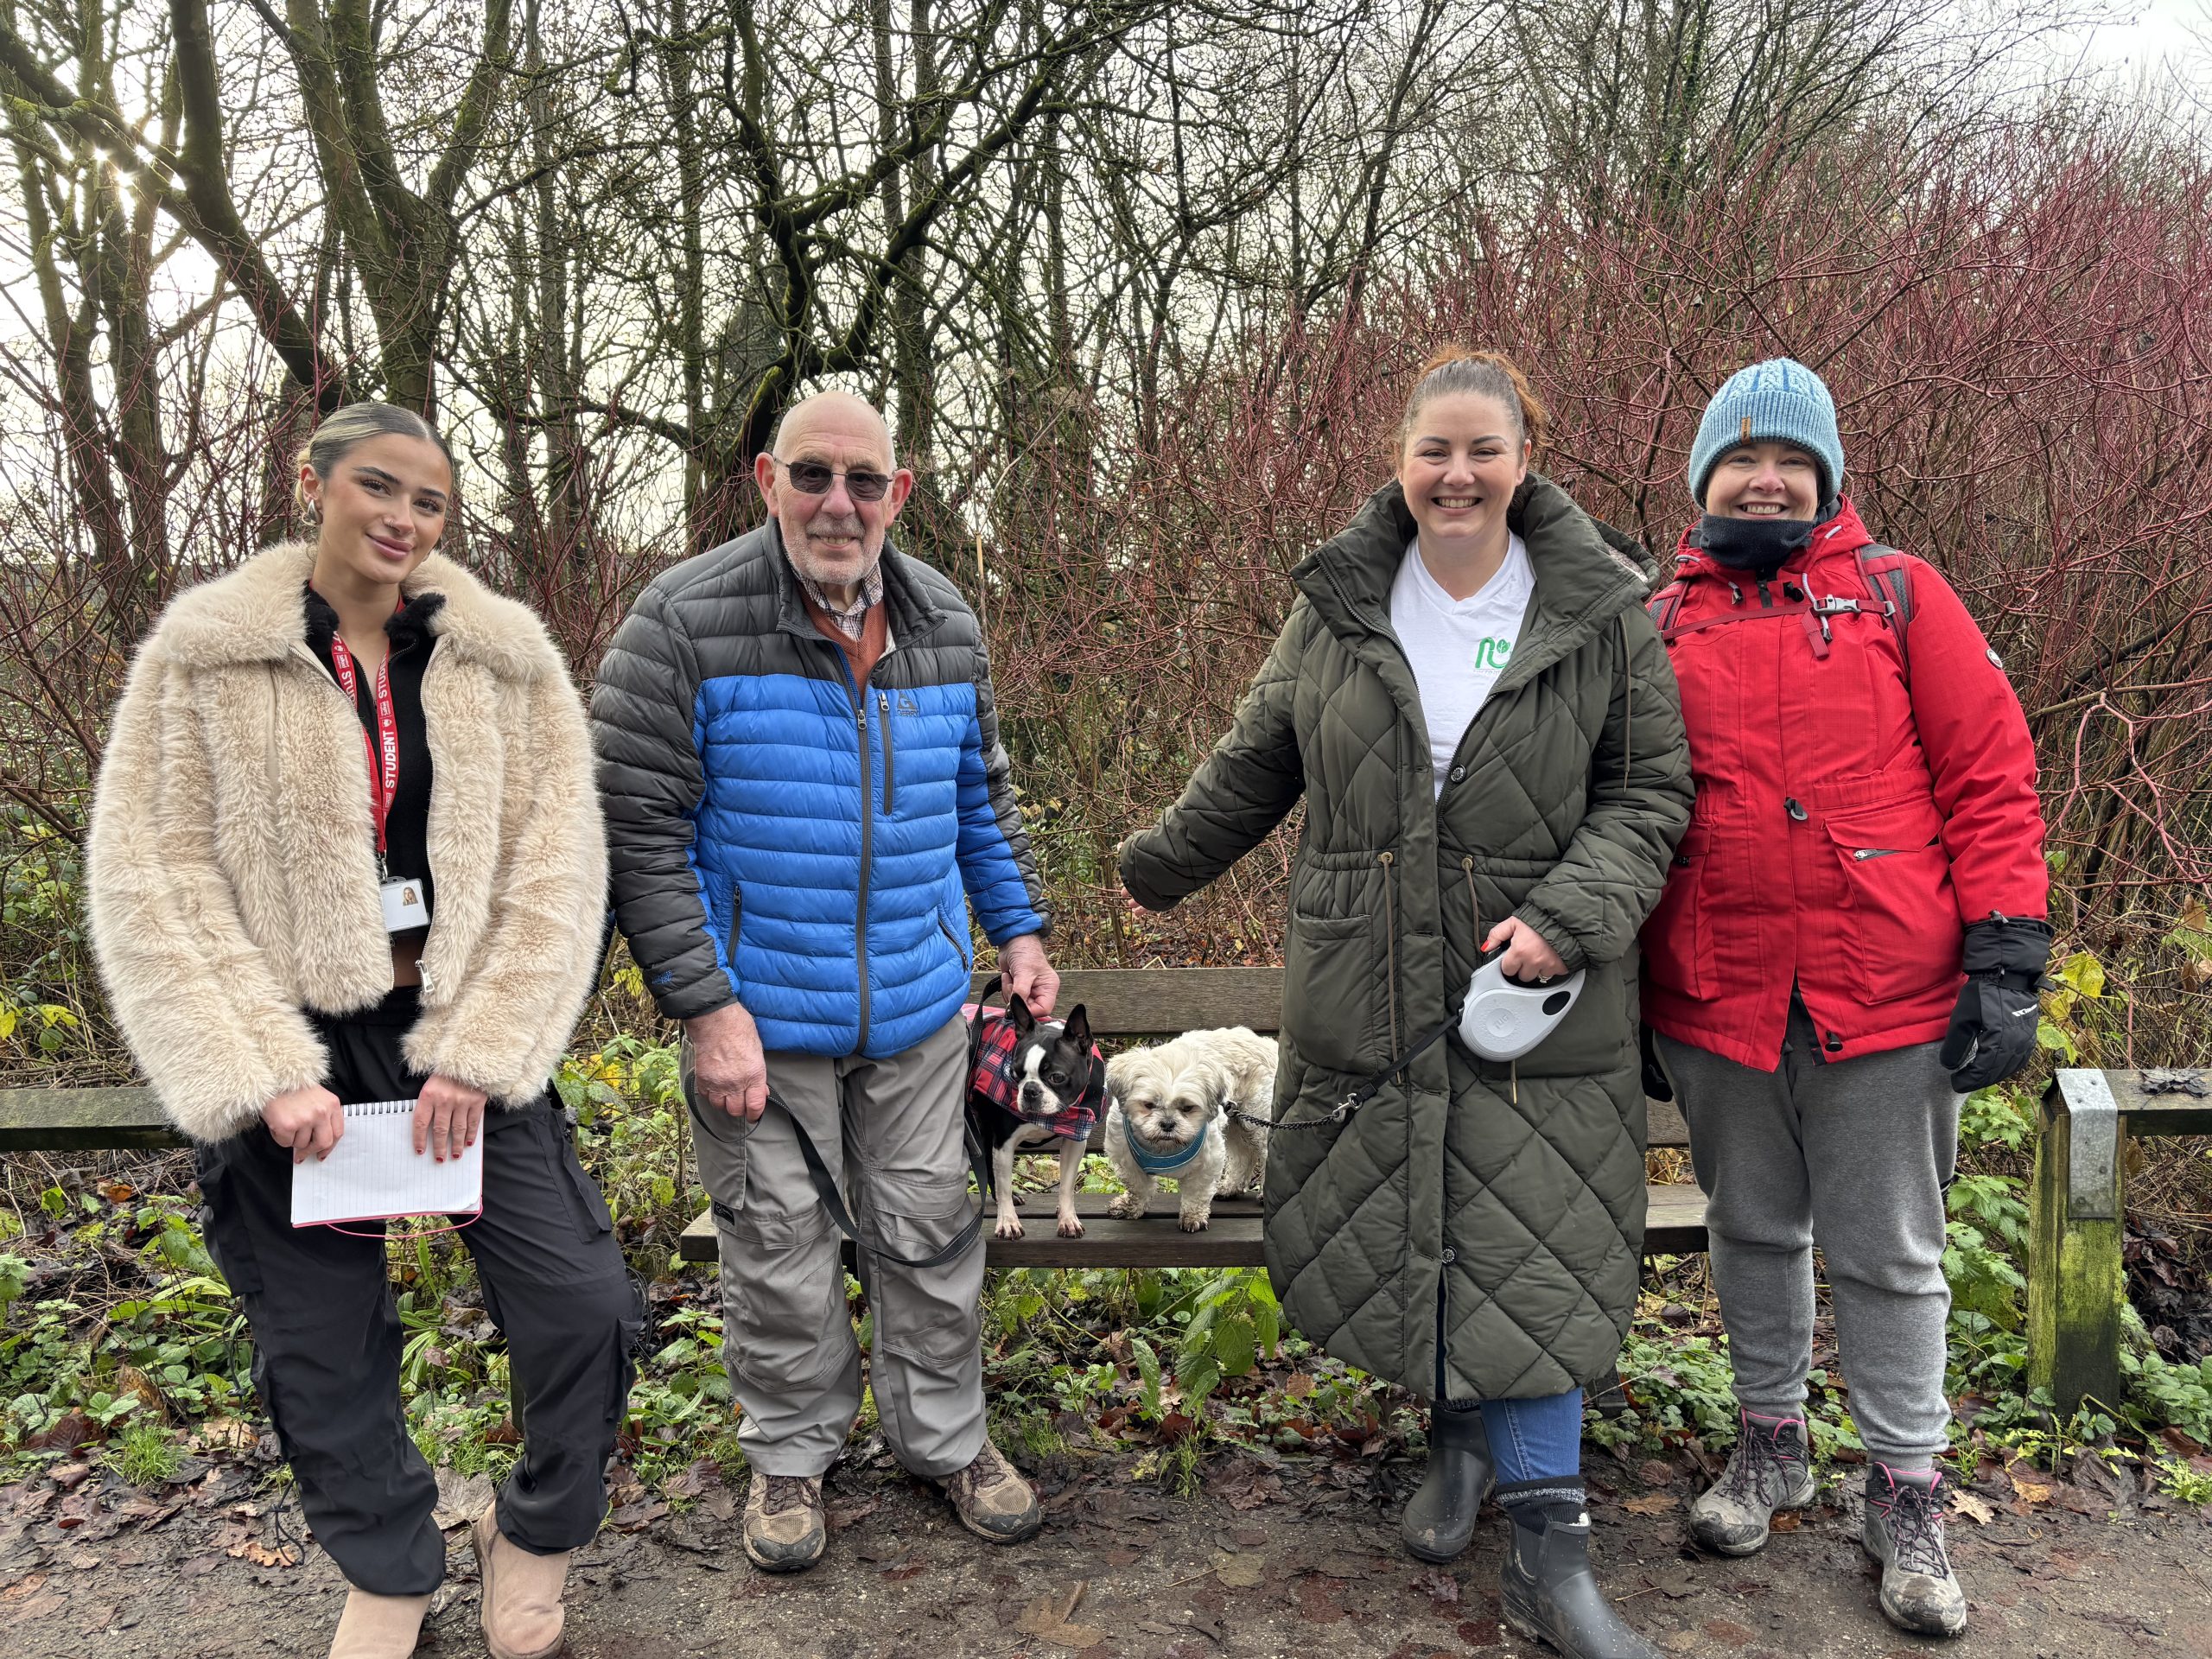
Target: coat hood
{"x":253,"y":614}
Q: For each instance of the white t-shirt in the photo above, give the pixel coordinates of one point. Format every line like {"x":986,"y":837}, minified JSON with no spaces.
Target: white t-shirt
{"x":1457,"y":647}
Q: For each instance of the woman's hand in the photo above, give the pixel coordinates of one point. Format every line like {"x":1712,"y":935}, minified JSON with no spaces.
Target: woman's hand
{"x":1527,"y":956}
{"x":447,"y":1117}
{"x":307,"y":1119}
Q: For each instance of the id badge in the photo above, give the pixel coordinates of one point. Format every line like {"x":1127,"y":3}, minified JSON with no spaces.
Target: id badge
{"x":402,"y":904}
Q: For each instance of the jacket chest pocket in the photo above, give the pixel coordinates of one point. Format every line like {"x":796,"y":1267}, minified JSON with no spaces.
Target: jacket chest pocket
{"x":1900,"y":916}
{"x":1338,"y":1001}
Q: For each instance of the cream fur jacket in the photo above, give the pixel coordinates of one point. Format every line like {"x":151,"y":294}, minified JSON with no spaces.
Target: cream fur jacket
{"x":230,"y":868}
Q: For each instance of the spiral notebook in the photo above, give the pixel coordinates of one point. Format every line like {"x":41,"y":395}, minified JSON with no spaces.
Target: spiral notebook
{"x":374,"y":1173}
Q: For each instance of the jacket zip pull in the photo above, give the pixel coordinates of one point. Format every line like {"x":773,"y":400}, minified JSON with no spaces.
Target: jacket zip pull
{"x":1390,"y":949}
{"x":1474,"y":905}
{"x":883,"y":708}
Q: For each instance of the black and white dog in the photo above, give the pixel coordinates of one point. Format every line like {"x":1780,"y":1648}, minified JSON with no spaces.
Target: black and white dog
{"x":1030,"y":1091}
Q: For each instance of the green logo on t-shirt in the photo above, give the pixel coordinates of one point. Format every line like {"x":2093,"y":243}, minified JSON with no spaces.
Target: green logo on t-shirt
{"x":1492,"y":653}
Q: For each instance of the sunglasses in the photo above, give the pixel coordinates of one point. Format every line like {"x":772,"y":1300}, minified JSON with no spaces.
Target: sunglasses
{"x":813,"y":478}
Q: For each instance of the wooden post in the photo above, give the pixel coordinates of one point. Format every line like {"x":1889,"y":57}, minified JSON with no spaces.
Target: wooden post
{"x":2076,"y":1281}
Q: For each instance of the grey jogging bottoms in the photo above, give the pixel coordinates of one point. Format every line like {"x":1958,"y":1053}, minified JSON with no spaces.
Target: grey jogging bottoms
{"x":1852,"y":1156}
{"x":892,"y":1133}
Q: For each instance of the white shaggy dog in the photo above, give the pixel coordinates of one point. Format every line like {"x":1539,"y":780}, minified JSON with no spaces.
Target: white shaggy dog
{"x":1165,"y":1117}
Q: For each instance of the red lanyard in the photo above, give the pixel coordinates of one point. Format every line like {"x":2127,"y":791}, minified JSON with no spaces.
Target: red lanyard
{"x":384,"y":778}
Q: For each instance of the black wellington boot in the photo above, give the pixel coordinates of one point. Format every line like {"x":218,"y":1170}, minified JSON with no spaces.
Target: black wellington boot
{"x":1550,"y":1595}
{"x":1439,"y":1518}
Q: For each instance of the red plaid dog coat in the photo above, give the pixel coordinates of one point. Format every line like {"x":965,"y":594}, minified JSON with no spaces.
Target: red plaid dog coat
{"x":994,"y":1080}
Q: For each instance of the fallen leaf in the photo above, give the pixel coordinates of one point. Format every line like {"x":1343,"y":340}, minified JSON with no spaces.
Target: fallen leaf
{"x":2030,"y":1488}
{"x":1297,"y":1385}
{"x":1440,"y":1588}
{"x":1976,"y":1509}
{"x":850,"y":1511}
{"x":911,"y":1568}
{"x":461,"y":1499}
{"x":1239,"y":1571}
{"x":1655,"y":1473}
{"x":1046,"y":1619}
{"x":632,"y":1516}
{"x":1787,"y":1520}
{"x":1652,"y":1503}
{"x":23,"y":1588}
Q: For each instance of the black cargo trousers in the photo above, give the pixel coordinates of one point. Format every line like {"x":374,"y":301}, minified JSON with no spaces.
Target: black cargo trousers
{"x":327,"y":1338}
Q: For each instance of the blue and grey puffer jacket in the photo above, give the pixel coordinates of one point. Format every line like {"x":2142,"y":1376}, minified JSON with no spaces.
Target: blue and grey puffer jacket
{"x":781,"y":837}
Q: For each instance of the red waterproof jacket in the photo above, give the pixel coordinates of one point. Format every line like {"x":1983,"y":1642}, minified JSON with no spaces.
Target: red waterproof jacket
{"x":1855,"y":808}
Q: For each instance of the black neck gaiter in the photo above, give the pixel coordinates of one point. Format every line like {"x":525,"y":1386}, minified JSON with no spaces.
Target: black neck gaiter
{"x":1760,"y":546}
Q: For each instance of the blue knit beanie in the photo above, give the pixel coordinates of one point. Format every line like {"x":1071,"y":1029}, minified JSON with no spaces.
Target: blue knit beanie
{"x":1781,"y":399}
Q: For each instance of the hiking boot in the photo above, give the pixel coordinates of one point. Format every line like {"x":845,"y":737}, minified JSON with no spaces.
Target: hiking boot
{"x":992,"y":1499}
{"x":1904,"y":1531}
{"x":520,"y":1606}
{"x":1439,"y":1518}
{"x":1547,"y":1589}
{"x":1768,"y":1470}
{"x":377,"y":1627}
{"x":786,"y":1530}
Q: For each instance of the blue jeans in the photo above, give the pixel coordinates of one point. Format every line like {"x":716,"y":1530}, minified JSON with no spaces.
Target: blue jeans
{"x":1535,"y":1439}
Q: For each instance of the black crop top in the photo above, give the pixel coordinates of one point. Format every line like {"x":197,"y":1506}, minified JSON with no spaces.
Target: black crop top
{"x":406,"y":831}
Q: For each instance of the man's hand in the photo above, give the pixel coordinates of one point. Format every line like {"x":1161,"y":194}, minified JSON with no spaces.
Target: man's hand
{"x":1028,"y":975}
{"x":307,"y":1120}
{"x":728,"y":1071}
{"x":447,"y":1114}
{"x":1527,"y":958}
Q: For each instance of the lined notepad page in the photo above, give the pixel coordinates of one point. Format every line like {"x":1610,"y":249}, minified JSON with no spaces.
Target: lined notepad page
{"x":374,"y":1173}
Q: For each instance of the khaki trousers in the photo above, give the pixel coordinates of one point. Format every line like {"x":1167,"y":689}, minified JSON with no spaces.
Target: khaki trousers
{"x":892,"y":1133}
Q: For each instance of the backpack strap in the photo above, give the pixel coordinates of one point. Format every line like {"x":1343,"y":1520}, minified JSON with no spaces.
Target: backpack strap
{"x":1664,"y":605}
{"x":1883,"y":570}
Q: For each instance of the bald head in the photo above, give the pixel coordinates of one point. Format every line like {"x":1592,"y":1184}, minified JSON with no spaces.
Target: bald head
{"x":832,"y":414}
{"x":833,"y":538}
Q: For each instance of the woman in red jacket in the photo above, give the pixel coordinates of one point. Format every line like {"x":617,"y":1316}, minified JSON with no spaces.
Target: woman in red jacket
{"x":1851,"y":934}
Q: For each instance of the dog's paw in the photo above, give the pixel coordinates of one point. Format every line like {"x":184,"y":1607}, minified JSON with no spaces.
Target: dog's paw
{"x":1125,"y":1206}
{"x":1193,"y":1221}
{"x":1009,"y":1227}
{"x":1071,"y":1226}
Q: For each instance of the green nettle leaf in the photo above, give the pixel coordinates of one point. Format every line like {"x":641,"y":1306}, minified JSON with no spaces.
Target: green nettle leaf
{"x":1197,"y":1376}
{"x":2052,"y":1037}
{"x":1266,"y":1319}
{"x":1235,"y":1346}
{"x":54,"y":1202}
{"x":1147,"y":1361}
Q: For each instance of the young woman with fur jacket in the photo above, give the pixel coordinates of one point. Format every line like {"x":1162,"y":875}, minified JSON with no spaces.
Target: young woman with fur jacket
{"x":345,"y":847}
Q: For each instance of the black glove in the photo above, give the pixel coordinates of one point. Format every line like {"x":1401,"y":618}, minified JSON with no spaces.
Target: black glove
{"x":1992,"y":1031}
{"x":1656,"y":1085}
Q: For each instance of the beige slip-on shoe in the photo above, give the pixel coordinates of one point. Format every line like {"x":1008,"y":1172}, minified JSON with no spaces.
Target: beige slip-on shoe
{"x":377,"y":1627}
{"x":521,"y":1610}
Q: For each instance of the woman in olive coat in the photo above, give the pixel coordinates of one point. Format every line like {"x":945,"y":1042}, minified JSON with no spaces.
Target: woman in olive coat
{"x":1481,"y":720}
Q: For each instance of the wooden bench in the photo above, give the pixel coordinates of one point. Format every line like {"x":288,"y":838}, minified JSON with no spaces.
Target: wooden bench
{"x":2077,"y":1281}
{"x":1123,"y":1004}
{"x":1126,"y":1003}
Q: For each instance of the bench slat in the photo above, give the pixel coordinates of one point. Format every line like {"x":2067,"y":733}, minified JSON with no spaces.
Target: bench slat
{"x":1676,"y":1227}
{"x":80,"y":1120}
{"x":1155,"y":1001}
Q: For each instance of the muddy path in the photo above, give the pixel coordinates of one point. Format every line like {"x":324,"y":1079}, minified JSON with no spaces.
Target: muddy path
{"x":1298,"y":1558}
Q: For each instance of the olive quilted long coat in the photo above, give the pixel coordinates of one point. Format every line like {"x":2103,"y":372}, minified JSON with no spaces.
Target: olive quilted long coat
{"x":1473,"y":1231}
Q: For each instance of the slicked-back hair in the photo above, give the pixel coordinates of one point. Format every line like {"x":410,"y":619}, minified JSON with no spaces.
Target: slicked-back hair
{"x":1455,"y":370}
{"x":356,"y":423}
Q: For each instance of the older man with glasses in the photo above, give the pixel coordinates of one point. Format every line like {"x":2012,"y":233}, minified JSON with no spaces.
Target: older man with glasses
{"x":805,"y":794}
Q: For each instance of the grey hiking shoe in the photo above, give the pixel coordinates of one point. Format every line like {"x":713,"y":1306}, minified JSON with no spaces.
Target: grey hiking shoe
{"x":992,"y":1499}
{"x":1768,"y":1470}
{"x":1904,"y":1532}
{"x":786,"y":1530}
